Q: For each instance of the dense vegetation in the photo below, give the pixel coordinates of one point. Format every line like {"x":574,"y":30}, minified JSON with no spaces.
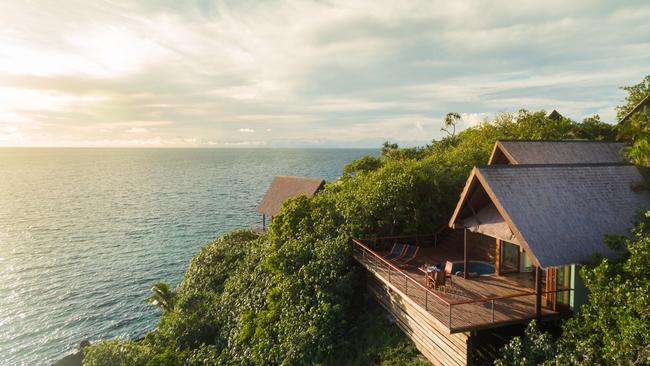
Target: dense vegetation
{"x":636,"y":129}
{"x":293,"y":296}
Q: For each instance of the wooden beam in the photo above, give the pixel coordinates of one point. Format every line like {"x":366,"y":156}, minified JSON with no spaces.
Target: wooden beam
{"x":518,"y":268}
{"x":263,"y":221}
{"x":538,"y":292}
{"x":497,"y":258}
{"x":466,"y":272}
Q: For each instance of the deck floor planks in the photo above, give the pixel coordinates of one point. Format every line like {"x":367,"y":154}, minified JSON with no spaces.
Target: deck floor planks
{"x":465,"y":316}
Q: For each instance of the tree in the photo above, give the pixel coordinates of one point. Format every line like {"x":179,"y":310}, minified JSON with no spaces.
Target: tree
{"x":387,"y":147}
{"x":635,"y":94}
{"x":636,"y":129}
{"x":533,"y":349}
{"x":592,"y":128}
{"x":614,"y":326}
{"x":450,"y":121}
{"x":363,"y":165}
{"x":162,"y":296}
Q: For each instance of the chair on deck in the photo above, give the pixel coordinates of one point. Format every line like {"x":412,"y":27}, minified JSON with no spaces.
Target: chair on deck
{"x":396,"y":252}
{"x":439,"y":278}
{"x":449,"y":266}
{"x":409,"y":254}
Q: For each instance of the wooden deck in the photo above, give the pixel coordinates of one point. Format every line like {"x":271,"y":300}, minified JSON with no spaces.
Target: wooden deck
{"x":468,"y":304}
{"x":472,"y":288}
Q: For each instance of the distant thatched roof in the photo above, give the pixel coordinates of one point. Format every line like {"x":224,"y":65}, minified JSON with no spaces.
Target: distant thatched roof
{"x":283,"y":188}
{"x":558,"y":213}
{"x":555,"y":115}
{"x":556,"y":152}
{"x":645,"y":102}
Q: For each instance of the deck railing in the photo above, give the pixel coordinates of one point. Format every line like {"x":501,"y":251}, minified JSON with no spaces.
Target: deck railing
{"x":458,"y":315}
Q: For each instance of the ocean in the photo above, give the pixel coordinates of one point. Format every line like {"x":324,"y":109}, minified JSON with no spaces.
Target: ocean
{"x":84,"y":233}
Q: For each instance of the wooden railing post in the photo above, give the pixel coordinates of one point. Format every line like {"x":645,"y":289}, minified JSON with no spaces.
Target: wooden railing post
{"x":497,"y":258}
{"x":538,"y":292}
{"x":466,"y":270}
{"x":406,"y":285}
{"x":426,"y":300}
{"x":492,"y":311}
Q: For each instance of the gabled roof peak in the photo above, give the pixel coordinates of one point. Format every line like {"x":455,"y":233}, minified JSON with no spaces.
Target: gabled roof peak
{"x":559,"y":214}
{"x":285,"y":187}
{"x":555,"y":152}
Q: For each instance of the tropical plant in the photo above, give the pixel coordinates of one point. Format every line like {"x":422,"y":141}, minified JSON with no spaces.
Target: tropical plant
{"x":532,"y":349}
{"x":450,"y":121}
{"x":636,"y":129}
{"x":162,"y":296}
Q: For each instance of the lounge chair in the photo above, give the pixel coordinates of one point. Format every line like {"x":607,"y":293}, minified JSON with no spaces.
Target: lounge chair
{"x":396,"y":252}
{"x":409,"y":254}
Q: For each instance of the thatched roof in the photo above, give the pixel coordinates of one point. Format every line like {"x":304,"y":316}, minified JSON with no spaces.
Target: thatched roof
{"x":555,"y":115}
{"x":283,"y":188}
{"x":558,"y":213}
{"x":645,"y":102}
{"x":555,"y":152}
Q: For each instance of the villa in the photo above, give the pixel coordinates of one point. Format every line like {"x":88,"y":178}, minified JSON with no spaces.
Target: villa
{"x":521,"y":229}
{"x":282,"y":188}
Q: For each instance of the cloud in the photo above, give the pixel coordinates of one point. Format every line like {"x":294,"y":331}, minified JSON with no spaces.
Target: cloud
{"x":306,"y":72}
{"x":473,"y":119}
{"x":244,"y":143}
{"x":136,"y":130}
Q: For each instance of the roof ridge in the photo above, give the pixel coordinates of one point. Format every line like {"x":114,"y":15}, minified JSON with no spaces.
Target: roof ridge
{"x":567,"y":140}
{"x":298,"y":177}
{"x":575,"y":165}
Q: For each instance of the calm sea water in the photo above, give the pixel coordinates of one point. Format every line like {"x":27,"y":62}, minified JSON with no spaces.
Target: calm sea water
{"x":84,"y":233}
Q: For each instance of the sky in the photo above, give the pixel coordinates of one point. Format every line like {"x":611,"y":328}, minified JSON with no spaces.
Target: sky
{"x":165,"y":73}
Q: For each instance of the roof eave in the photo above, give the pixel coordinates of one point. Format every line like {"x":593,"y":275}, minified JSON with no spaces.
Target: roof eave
{"x":636,"y":108}
{"x":462,"y":198}
{"x":476,"y":175}
{"x":499,"y":147}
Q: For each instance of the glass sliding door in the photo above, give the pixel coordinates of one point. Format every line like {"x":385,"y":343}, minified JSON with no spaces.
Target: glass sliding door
{"x":563,"y":281}
{"x":558,"y":278}
{"x":509,"y":257}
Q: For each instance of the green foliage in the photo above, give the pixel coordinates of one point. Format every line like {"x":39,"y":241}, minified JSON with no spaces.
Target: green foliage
{"x":593,"y":128}
{"x":635,"y":95}
{"x":118,"y":352}
{"x":212,"y":265}
{"x":162,"y":296}
{"x":388,"y":147}
{"x":614,"y":327}
{"x":450,"y":122}
{"x":636,"y":130}
{"x":291,"y":296}
{"x":533,"y":349}
{"x":378,"y":339}
{"x":362,"y":165}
